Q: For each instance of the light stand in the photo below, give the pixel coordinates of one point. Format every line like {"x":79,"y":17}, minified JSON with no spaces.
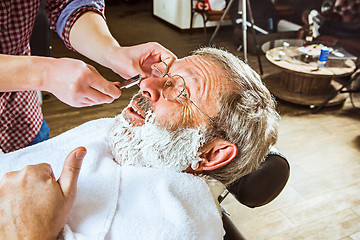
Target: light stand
{"x":244,"y":27}
{"x":242,"y":10}
{"x":253,"y":33}
{"x":221,"y":20}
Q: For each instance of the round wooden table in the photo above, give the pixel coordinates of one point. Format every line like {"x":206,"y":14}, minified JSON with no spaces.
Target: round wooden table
{"x":305,"y":83}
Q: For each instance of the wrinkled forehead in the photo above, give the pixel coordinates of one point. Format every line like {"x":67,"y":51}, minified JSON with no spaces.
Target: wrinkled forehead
{"x":193,"y":61}
{"x":203,"y":69}
{"x":196,"y":66}
{"x":204,"y":79}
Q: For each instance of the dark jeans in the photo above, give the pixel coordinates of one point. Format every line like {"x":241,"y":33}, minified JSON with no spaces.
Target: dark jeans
{"x":42,"y":135}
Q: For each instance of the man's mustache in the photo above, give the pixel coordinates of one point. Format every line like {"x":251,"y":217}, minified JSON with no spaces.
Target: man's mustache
{"x":143,"y":103}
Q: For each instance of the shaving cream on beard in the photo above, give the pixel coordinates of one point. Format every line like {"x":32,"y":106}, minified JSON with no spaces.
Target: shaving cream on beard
{"x":152,"y":145}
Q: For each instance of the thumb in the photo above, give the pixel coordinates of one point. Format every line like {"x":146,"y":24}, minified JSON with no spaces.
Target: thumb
{"x":70,"y":172}
{"x":138,"y":70}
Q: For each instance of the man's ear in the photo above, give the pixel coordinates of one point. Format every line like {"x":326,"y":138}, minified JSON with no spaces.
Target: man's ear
{"x":216,"y":154}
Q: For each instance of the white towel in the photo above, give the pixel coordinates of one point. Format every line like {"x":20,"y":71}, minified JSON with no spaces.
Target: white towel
{"x":116,"y":202}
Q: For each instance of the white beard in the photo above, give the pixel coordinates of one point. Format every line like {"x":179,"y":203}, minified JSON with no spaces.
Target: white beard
{"x":152,"y":145}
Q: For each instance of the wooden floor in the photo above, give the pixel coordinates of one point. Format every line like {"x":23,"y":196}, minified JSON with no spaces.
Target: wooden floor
{"x":322,"y":197}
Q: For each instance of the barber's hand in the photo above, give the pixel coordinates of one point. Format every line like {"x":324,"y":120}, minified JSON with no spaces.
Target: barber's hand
{"x":138,"y":59}
{"x":77,"y":83}
{"x":33,"y":205}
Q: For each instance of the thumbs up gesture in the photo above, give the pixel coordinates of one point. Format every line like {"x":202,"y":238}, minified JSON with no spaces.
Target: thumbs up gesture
{"x":33,"y":204}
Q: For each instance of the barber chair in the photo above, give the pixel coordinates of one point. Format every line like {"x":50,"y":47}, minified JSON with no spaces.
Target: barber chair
{"x":256,"y":189}
{"x":40,"y":41}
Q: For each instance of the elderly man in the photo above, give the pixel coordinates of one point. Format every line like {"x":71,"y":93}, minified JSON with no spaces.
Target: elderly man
{"x":207,"y":114}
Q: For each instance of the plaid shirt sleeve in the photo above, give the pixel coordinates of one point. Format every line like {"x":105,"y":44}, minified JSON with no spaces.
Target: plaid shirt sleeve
{"x":63,"y":14}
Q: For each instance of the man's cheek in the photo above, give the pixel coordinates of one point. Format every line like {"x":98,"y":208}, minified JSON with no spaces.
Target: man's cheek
{"x":168,"y":117}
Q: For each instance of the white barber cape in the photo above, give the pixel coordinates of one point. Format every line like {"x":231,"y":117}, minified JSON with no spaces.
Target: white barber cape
{"x":116,"y":202}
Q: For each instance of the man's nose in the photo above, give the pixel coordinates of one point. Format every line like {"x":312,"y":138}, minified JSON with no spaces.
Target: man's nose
{"x":152,"y":88}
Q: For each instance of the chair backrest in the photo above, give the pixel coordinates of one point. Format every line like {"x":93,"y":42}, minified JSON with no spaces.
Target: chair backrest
{"x":341,"y":10}
{"x":40,"y":41}
{"x":204,"y":5}
{"x":202,"y":8}
{"x":264,"y":184}
{"x":258,"y":188}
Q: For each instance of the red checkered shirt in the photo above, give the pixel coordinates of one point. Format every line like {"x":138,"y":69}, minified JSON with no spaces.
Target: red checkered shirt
{"x":20,"y":112}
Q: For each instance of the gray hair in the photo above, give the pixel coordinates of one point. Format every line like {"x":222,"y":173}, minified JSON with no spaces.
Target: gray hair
{"x":247,"y":116}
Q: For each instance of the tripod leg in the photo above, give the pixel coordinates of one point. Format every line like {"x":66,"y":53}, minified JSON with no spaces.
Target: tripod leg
{"x":254,"y":35}
{"x":205,"y":30}
{"x":345,"y":85}
{"x":220,"y":22}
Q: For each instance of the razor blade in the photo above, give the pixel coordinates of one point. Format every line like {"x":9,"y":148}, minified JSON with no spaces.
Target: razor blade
{"x":130,"y":82}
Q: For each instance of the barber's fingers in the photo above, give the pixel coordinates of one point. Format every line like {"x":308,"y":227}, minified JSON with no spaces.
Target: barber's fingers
{"x":166,"y":55}
{"x":107,"y":89}
{"x":70,"y":172}
{"x":140,"y":58}
{"x":158,"y":53}
{"x":94,"y":96}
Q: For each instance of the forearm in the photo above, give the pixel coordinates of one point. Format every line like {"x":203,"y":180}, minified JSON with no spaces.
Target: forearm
{"x":18,"y":73}
{"x":71,"y":81}
{"x":91,"y":37}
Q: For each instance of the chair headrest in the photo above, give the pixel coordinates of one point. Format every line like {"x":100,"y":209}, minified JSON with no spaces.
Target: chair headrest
{"x":264,"y":184}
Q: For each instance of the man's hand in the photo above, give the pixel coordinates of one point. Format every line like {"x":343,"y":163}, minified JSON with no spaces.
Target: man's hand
{"x":138,"y":59}
{"x":77,"y":83}
{"x":33,"y":205}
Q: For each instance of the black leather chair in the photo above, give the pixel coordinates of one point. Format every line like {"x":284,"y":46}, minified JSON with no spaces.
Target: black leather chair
{"x":339,"y":25}
{"x":40,"y":41}
{"x":257,"y":188}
